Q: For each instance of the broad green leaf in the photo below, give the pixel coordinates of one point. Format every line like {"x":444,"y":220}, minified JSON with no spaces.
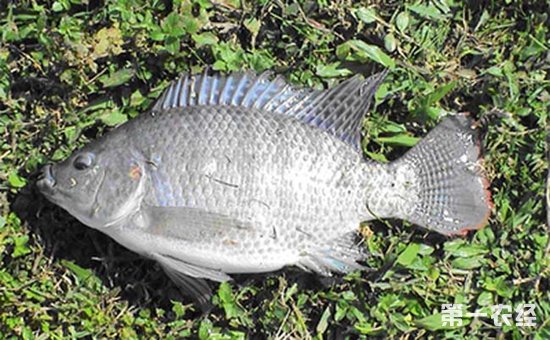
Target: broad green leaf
{"x":113,"y":118}
{"x":454,"y":244}
{"x":191,"y":25}
{"x":137,"y":98}
{"x":57,"y":7}
{"x":392,"y":127}
{"x":20,"y":247}
{"x":408,"y":255}
{"x":400,"y":321}
{"x":179,"y":309}
{"x":157,"y":35}
{"x":377,"y":157}
{"x":205,"y":329}
{"x":439,"y":93}
{"x":173,"y":25}
{"x":16,"y":181}
{"x":95,"y":106}
{"x":253,"y":26}
{"x":466,"y":250}
{"x":485,"y":299}
{"x":427,"y":11}
{"x":118,"y":78}
{"x":82,"y":274}
{"x":399,"y":140}
{"x":204,"y":39}
{"x":366,"y":15}
{"x":390,"y":43}
{"x":357,"y":50}
{"x":468,"y":262}
{"x":402,"y":21}
{"x":500,"y":285}
{"x":172,"y":45}
{"x":495,"y":71}
{"x":367,"y":328}
{"x":425,"y":249}
{"x":227,"y":298}
{"x":323,"y":322}
{"x":435,"y":322}
{"x":107,"y":42}
{"x":331,"y":70}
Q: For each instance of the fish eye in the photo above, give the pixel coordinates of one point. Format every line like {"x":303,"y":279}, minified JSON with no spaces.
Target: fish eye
{"x":83,"y":161}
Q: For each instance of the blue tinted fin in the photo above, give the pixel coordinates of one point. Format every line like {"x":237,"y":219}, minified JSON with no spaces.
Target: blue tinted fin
{"x":338,"y":110}
{"x":337,"y":256}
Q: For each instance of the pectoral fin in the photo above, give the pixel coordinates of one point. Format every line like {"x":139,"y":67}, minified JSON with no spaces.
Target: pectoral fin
{"x":188,"y":226}
{"x":189,"y":223}
{"x":180,"y":266}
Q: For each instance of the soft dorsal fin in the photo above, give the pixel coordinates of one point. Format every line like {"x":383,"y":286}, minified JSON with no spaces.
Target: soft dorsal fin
{"x":338,"y":110}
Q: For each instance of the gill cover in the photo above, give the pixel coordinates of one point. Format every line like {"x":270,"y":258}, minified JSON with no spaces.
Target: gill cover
{"x":120,"y":192}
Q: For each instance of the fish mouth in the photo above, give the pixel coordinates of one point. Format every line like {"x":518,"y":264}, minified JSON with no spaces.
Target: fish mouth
{"x":46,"y":181}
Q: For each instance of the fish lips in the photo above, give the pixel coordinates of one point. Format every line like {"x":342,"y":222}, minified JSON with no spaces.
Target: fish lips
{"x":46,"y":181}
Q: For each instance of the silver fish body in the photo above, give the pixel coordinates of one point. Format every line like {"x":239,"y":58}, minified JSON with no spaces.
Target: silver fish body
{"x":278,"y":189}
{"x":241,"y":174}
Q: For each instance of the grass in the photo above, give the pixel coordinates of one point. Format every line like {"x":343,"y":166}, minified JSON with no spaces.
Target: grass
{"x":71,"y":70}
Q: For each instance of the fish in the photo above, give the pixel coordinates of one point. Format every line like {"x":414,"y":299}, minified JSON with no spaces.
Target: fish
{"x":246,"y":173}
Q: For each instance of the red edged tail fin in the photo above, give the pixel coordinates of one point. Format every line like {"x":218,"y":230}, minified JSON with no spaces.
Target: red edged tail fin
{"x":452,"y":191}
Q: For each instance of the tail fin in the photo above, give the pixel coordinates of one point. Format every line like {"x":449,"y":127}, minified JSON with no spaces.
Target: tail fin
{"x":451,"y":191}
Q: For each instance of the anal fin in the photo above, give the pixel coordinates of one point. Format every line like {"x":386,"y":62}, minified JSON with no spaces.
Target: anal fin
{"x":337,"y":256}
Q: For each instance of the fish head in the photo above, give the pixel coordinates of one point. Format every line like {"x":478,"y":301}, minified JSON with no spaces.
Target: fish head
{"x":99,"y":184}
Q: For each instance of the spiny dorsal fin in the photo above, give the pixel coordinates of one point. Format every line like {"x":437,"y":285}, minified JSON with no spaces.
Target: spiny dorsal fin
{"x":338,"y":110}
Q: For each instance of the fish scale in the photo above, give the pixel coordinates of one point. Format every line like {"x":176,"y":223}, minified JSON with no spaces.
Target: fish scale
{"x":236,"y":170}
{"x":243,"y":174}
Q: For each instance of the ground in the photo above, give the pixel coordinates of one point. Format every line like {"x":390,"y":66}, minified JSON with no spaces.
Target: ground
{"x":71,"y":70}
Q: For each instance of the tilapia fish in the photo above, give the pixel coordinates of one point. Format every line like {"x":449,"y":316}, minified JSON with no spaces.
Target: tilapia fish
{"x":247,"y":174}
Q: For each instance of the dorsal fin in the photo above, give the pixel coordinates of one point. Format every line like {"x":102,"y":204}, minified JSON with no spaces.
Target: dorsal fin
{"x":338,"y":110}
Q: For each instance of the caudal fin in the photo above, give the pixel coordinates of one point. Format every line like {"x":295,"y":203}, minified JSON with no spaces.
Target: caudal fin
{"x":451,"y":191}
